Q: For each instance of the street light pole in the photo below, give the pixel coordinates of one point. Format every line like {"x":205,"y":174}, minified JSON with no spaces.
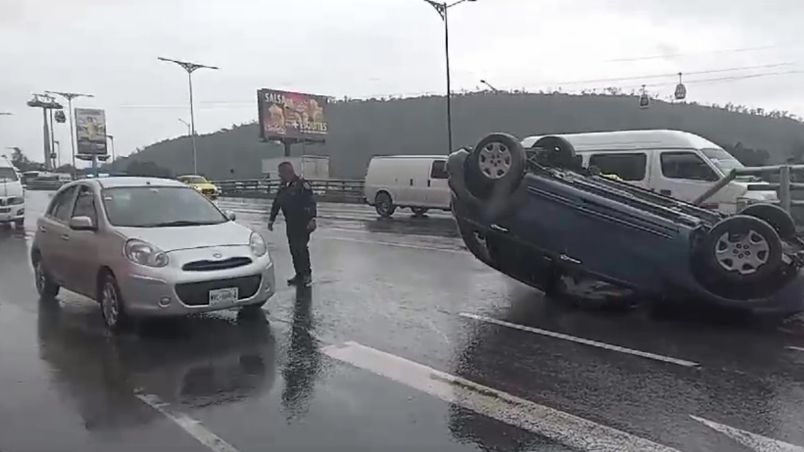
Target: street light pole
{"x":442,"y":10}
{"x":493,"y":89}
{"x":190,"y":68}
{"x":186,"y":124}
{"x":70,"y":97}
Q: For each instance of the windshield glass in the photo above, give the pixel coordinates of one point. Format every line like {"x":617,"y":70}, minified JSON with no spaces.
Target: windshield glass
{"x":722,"y":159}
{"x":159,"y":206}
{"x":193,"y":180}
{"x":8,"y":174}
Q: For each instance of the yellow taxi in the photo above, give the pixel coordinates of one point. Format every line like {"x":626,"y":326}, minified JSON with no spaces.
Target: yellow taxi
{"x":201,"y":184}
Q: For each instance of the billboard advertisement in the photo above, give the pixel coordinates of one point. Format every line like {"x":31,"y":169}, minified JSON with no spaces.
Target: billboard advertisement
{"x":90,"y":131}
{"x":292,"y":116}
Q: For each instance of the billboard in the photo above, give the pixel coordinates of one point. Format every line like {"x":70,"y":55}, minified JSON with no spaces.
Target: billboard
{"x":90,"y":131}
{"x":288,"y":116}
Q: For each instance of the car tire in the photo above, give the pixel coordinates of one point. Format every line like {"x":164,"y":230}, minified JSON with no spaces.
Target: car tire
{"x":775,"y":216}
{"x":113,"y":310}
{"x":384,"y":205}
{"x":45,"y":285}
{"x":495,"y":167}
{"x":556,"y":152}
{"x":741,"y":250}
{"x":419,"y":211}
{"x":19,"y":224}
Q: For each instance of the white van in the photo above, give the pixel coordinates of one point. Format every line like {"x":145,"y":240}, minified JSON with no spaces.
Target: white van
{"x":418,"y":182}
{"x":12,"y":196}
{"x":670,"y":162}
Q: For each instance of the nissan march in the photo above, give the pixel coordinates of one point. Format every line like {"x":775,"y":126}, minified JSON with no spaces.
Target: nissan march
{"x":148,"y":247}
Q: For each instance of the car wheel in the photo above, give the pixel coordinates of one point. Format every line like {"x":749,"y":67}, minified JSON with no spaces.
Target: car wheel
{"x":112,"y":304}
{"x":19,"y":224}
{"x":419,"y":211}
{"x":45,"y":286}
{"x":775,"y":216}
{"x":742,"y":250}
{"x":556,"y":152}
{"x":495,"y":167}
{"x":384,"y":205}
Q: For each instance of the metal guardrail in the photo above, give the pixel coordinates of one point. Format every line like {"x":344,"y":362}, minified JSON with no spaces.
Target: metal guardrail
{"x":329,"y":190}
{"x":783,"y":187}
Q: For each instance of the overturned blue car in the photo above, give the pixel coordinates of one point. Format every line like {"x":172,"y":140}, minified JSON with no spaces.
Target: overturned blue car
{"x":540,"y":217}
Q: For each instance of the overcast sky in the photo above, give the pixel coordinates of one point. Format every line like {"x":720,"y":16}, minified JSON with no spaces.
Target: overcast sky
{"x":362,"y":48}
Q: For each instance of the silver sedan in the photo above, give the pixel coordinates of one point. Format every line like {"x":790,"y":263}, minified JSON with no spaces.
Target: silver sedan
{"x":148,"y":247}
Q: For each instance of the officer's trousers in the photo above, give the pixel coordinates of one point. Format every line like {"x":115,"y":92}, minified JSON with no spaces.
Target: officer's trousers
{"x":298,"y":238}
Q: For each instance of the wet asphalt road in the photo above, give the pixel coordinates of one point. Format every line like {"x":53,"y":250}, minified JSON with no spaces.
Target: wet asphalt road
{"x":405,"y":342}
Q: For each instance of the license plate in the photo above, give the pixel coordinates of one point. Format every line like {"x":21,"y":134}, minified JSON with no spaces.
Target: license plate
{"x":223,"y":296}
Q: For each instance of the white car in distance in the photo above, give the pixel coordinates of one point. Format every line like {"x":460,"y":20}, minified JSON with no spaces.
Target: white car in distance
{"x":148,"y":247}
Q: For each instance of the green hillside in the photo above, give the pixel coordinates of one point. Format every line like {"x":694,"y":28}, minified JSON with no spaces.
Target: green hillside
{"x":360,"y":129}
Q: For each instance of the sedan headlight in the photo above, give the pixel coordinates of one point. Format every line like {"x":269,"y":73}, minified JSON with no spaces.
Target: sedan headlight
{"x":257,"y":245}
{"x":143,"y":253}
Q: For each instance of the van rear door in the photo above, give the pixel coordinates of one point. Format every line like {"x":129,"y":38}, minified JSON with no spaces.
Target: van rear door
{"x":682,"y":174}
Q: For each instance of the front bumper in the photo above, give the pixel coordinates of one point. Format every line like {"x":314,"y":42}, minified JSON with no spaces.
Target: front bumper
{"x":12,"y":213}
{"x":153,"y":291}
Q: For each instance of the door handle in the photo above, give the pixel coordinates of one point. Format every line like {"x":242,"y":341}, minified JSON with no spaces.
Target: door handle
{"x":428,"y":182}
{"x":498,"y":228}
{"x":42,"y":229}
{"x":65,"y":237}
{"x":411,"y":182}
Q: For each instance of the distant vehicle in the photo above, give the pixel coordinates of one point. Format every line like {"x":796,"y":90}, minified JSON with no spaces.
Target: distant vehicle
{"x":201,"y":184}
{"x":418,"y":182}
{"x":148,"y":247}
{"x":538,"y":216}
{"x":310,"y":167}
{"x":672,"y":163}
{"x":27,"y":176}
{"x":12,"y":195}
{"x":48,"y":181}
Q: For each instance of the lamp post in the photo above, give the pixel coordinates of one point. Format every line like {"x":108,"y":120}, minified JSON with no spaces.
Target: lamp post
{"x":186,"y":124}
{"x":442,"y":10}
{"x":69,"y":97}
{"x":46,"y":103}
{"x":493,"y":89}
{"x":190,"y":68}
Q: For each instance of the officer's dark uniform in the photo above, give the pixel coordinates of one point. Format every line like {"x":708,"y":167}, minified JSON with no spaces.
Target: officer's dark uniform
{"x":297,"y":202}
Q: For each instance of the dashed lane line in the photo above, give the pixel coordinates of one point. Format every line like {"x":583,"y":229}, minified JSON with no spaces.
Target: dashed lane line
{"x":193,"y":427}
{"x":580,"y":340}
{"x":750,"y":440}
{"x":564,"y":428}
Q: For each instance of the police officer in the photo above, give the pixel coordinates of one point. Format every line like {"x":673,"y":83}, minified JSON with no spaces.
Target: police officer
{"x":295,"y":199}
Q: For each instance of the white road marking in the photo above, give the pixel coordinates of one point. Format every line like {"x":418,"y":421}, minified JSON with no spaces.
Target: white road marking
{"x":798,"y":349}
{"x":567,"y":429}
{"x":750,"y":440}
{"x":580,"y":340}
{"x":398,"y":245}
{"x":188,"y":424}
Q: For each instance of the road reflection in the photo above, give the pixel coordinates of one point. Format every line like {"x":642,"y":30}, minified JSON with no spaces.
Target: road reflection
{"x":304,"y":360}
{"x":190,"y":362}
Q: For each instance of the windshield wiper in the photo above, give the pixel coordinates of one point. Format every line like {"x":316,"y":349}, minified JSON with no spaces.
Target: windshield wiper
{"x":179,"y":223}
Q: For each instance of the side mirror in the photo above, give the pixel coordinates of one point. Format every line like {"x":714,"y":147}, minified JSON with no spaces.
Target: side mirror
{"x":230,"y":215}
{"x":82,"y":224}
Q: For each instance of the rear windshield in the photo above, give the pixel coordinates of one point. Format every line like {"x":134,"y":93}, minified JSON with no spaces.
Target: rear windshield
{"x":150,"y":207}
{"x":193,"y":180}
{"x":8,"y":174}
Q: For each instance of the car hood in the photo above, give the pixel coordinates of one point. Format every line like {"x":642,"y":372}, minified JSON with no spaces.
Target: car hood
{"x":188,"y":237}
{"x":10,"y":188}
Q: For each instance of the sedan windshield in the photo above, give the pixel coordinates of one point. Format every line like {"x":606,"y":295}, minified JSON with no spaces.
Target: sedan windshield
{"x":150,"y":207}
{"x":8,"y":174}
{"x":194,"y":180}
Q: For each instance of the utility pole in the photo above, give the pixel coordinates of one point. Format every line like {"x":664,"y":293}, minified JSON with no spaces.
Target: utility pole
{"x":57,"y":149}
{"x":70,"y":97}
{"x":442,"y":10}
{"x":190,"y":68}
